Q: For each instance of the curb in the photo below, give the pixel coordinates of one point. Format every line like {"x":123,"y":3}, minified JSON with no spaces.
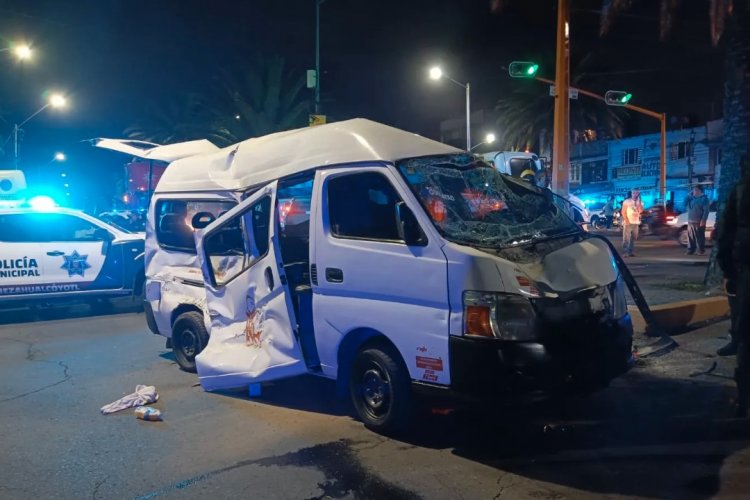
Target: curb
{"x":678,"y":315}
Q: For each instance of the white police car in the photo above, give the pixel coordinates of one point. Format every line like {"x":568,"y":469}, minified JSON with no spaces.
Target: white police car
{"x":58,"y":252}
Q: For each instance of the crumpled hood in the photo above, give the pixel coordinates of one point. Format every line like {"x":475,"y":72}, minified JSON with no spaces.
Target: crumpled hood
{"x":578,"y":266}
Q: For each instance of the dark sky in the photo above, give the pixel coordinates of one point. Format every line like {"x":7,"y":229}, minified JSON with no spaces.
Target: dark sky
{"x":114,"y":57}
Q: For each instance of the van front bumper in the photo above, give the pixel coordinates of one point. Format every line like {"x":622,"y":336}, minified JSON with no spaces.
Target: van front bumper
{"x":580,"y":355}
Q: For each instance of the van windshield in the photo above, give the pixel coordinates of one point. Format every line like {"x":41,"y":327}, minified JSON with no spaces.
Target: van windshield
{"x":473,"y":204}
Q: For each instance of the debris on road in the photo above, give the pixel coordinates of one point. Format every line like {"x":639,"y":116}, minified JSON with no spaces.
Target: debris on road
{"x":143,"y":395}
{"x":147,"y":413}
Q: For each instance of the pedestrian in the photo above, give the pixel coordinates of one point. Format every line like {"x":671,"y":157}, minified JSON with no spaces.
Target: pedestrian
{"x":734,"y":260}
{"x":609,"y":211}
{"x":697,"y":206}
{"x":631,"y":220}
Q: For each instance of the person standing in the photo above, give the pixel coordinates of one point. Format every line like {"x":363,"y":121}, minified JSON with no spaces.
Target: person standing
{"x":734,"y":260}
{"x":609,"y":211}
{"x":697,"y":206}
{"x":631,"y":220}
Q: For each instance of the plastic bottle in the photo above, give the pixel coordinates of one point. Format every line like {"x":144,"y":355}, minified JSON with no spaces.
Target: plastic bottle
{"x":147,"y":413}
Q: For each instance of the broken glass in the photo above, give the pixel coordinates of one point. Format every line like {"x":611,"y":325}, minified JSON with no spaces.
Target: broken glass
{"x":471,"y":203}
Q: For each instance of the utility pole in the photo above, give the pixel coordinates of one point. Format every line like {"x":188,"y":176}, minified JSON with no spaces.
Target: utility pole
{"x":468,"y":117}
{"x":318,"y":3}
{"x":561,"y":136}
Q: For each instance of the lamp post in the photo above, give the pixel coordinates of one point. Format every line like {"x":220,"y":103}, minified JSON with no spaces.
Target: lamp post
{"x":56,"y":101}
{"x":21,"y":51}
{"x":436,"y":74}
{"x":488,"y":139}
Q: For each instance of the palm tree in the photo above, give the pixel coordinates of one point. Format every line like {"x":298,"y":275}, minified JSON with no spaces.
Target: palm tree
{"x":262,"y":99}
{"x":729,"y":23}
{"x":183,"y":117}
{"x":258,"y":100}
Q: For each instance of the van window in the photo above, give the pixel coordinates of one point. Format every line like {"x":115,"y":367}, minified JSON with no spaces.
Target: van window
{"x":42,"y":227}
{"x":229,"y":249}
{"x":173,"y":218}
{"x":363,"y":206}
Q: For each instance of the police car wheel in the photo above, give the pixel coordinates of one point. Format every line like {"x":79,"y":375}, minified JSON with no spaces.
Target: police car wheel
{"x":380,"y":390}
{"x":189,"y":337}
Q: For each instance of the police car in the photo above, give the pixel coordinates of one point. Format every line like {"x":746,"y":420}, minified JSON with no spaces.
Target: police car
{"x":57,"y":252}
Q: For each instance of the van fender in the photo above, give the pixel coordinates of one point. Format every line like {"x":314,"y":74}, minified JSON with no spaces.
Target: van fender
{"x":350,"y":345}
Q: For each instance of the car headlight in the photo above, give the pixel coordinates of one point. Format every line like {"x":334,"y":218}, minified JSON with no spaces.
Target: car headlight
{"x":499,"y":315}
{"x":620,"y":303}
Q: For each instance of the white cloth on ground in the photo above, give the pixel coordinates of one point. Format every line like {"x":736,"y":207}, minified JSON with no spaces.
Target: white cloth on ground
{"x":143,"y":395}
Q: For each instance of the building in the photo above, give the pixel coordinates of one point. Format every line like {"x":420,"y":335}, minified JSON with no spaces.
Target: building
{"x":599,"y":169}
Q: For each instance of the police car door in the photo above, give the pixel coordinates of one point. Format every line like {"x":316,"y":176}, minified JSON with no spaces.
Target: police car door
{"x":74,"y":251}
{"x":251,"y":336}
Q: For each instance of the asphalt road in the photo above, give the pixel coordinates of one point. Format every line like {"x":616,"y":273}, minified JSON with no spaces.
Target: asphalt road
{"x":659,"y":431}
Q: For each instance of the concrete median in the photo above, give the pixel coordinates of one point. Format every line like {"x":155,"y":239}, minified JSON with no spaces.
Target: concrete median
{"x":676,"y":316}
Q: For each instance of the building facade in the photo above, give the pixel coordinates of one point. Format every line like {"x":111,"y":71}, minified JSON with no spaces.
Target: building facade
{"x":599,"y":169}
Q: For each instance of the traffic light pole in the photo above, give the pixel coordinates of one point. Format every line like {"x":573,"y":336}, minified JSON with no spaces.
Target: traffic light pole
{"x":662,"y":117}
{"x":561,"y":134}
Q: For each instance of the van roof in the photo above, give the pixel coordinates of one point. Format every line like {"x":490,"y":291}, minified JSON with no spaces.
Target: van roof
{"x":263,"y":159}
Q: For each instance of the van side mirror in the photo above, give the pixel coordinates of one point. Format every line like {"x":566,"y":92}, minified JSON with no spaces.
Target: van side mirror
{"x":408,"y":226}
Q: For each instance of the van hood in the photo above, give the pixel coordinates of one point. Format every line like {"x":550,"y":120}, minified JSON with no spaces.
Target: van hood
{"x":581,"y":265}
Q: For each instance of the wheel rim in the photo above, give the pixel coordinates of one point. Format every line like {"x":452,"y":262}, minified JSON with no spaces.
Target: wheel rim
{"x":376,"y":391}
{"x":189,"y":343}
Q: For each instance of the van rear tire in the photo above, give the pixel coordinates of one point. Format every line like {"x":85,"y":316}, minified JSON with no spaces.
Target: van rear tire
{"x":380,"y":390}
{"x":189,"y":338}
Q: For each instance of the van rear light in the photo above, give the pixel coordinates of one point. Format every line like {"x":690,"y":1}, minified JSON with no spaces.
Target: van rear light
{"x":478,"y":321}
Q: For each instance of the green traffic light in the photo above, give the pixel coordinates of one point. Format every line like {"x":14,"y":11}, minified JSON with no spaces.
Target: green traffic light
{"x":523,"y":69}
{"x":624,"y":99}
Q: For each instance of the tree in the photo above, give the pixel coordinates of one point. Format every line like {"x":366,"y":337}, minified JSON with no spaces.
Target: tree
{"x":262,"y":99}
{"x":259,"y":99}
{"x":729,"y":24}
{"x":183,"y":117}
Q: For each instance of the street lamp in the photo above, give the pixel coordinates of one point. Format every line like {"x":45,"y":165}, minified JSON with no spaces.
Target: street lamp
{"x":60,"y":156}
{"x":436,"y":74}
{"x":21,"y":51}
{"x":488,"y":139}
{"x":56,"y":101}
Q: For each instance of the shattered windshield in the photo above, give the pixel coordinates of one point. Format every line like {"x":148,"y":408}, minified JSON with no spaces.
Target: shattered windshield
{"x":472,"y":203}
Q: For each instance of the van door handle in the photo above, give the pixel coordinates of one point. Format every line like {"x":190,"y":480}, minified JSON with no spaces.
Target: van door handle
{"x":269,"y":278}
{"x":334,"y":275}
{"x":55,"y":253}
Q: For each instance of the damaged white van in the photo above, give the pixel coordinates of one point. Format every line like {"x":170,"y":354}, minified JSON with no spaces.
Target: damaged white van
{"x":389,"y":262}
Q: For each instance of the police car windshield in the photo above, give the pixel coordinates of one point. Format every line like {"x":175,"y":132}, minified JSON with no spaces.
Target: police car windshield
{"x":472,"y":203}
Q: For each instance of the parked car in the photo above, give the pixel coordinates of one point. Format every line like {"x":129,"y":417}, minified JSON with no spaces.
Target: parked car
{"x":60,"y":253}
{"x":680,"y":229}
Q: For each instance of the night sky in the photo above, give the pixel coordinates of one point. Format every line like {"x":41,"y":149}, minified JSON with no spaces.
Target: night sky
{"x":113,"y":58}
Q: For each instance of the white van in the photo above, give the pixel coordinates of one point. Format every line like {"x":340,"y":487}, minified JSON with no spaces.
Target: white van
{"x":384,"y":260}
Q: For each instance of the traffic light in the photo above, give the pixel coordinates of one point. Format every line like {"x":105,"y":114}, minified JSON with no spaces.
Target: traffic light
{"x":617,"y":97}
{"x":523,"y":69}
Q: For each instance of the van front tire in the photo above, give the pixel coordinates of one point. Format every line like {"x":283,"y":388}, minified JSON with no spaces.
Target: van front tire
{"x":189,"y":337}
{"x":380,"y":389}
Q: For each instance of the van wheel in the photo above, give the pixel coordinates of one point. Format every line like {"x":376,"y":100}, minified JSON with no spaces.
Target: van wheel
{"x":380,"y":390}
{"x":189,"y":337}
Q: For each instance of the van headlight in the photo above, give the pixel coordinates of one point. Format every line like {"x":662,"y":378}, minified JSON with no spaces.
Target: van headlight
{"x":620,"y":303}
{"x":499,"y":315}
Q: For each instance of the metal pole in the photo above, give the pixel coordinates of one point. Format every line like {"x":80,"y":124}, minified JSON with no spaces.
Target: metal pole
{"x":561,"y":137}
{"x":15,"y":146}
{"x":317,"y":55}
{"x":663,"y":160}
{"x":468,"y":117}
